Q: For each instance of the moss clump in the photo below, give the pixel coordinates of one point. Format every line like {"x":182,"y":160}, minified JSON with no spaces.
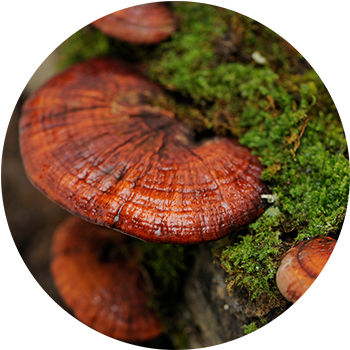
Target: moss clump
{"x":167,"y":262}
{"x":250,"y":328}
{"x":253,"y":261}
{"x":210,"y":62}
{"x":279,"y":108}
{"x":167,"y":265}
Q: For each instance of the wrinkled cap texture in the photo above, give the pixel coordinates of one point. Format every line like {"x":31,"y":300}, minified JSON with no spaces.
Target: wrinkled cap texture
{"x":142,"y":24}
{"x":108,"y":296}
{"x":301,"y":265}
{"x":92,"y":142}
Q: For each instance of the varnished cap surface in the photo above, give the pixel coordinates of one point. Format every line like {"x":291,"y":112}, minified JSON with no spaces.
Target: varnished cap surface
{"x":108,"y":296}
{"x":301,"y":265}
{"x":92,"y":143}
{"x":142,"y":24}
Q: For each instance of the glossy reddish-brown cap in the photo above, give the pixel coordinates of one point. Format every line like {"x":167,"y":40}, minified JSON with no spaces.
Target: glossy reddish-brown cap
{"x":108,"y":296}
{"x":301,"y":265}
{"x":91,"y":141}
{"x":142,"y":24}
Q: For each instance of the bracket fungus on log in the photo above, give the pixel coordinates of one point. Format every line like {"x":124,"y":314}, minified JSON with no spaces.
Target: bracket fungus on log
{"x":315,"y":276}
{"x":142,"y":24}
{"x":301,"y":265}
{"x":108,"y":296}
{"x":92,"y":142}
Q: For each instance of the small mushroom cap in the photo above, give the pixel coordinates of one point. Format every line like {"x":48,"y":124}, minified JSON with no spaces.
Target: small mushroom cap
{"x":92,"y":142}
{"x":142,"y":24}
{"x":108,"y":296}
{"x":301,"y":265}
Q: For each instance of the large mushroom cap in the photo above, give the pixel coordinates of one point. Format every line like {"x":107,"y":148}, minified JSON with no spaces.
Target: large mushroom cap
{"x":108,"y":296}
{"x":142,"y":24}
{"x":92,"y":143}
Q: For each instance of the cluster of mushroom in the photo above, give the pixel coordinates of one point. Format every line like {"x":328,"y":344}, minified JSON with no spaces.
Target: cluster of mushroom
{"x":93,"y":142}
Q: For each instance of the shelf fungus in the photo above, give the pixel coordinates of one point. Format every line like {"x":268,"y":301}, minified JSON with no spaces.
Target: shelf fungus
{"x":93,"y":142}
{"x":301,"y":265}
{"x":142,"y":24}
{"x":315,"y":276}
{"x":106,"y":291}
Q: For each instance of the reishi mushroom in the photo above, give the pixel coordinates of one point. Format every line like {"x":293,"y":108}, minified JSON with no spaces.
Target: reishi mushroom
{"x":142,"y":24}
{"x":92,"y":141}
{"x":301,"y":265}
{"x":315,"y":276}
{"x":109,"y":296}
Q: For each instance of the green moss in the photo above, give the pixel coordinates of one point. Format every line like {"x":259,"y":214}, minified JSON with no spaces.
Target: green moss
{"x":281,"y":111}
{"x":167,"y":262}
{"x":179,"y":335}
{"x":253,"y":261}
{"x":88,"y":42}
{"x":276,"y":105}
{"x":187,"y":69}
{"x":250,"y":328}
{"x":167,"y":266}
